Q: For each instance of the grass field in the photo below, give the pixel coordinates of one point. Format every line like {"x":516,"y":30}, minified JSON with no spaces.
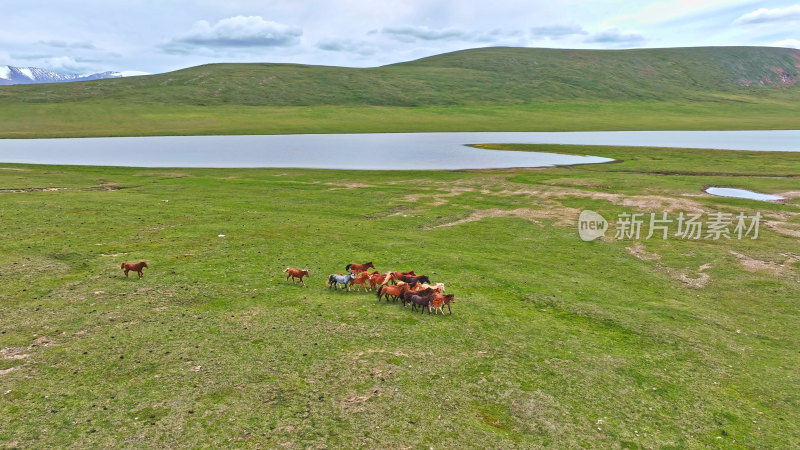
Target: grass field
{"x":490,"y":89}
{"x":552,"y":341}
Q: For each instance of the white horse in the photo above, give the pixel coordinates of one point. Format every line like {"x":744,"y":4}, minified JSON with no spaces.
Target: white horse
{"x":335,"y":280}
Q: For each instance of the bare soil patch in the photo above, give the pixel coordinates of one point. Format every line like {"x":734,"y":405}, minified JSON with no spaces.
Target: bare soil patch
{"x":562,"y":216}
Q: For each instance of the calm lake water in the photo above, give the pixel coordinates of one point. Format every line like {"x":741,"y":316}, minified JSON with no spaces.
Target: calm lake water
{"x":387,"y":151}
{"x":742,"y":193}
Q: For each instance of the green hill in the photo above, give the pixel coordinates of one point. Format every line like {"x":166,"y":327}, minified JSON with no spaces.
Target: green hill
{"x":486,"y":79}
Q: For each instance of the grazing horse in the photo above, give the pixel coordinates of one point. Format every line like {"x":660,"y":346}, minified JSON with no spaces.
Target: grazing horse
{"x":134,"y":267}
{"x":335,"y":280}
{"x":361,"y":280}
{"x":393,"y":291}
{"x":296,"y":273}
{"x":358,"y":268}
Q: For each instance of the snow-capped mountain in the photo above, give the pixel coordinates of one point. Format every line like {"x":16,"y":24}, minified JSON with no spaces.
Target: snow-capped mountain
{"x":34,"y":75}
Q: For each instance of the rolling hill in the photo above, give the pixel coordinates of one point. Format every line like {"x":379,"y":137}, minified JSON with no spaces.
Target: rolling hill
{"x":480,"y":80}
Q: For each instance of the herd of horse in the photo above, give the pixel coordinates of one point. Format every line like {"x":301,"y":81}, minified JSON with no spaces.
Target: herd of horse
{"x":408,"y":287}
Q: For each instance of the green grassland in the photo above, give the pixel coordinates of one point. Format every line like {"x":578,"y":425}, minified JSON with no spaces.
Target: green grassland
{"x":496,"y":89}
{"x":552,"y":341}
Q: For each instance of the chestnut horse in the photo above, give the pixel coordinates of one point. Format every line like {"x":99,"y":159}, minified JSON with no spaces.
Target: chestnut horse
{"x":393,"y":291}
{"x":376,"y":279}
{"x":134,"y":267}
{"x":296,"y":273}
{"x":360,"y":280}
{"x":397,"y":276}
{"x":358,"y":268}
{"x":440,"y":301}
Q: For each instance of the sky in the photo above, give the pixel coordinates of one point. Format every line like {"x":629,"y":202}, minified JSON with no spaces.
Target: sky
{"x":87,"y":36}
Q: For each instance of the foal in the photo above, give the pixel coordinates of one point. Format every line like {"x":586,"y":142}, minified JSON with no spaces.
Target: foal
{"x":134,"y":267}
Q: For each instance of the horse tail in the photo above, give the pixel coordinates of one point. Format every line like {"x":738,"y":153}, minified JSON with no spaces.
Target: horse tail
{"x":347,"y":267}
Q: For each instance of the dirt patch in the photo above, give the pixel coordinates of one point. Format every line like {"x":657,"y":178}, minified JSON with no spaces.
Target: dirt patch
{"x":563,"y":215}
{"x":9,"y":370}
{"x":14,"y":353}
{"x":755,"y":265}
{"x":162,"y":174}
{"x":783,"y":228}
{"x":24,"y":190}
{"x":699,"y":280}
{"x":355,"y":403}
{"x":347,"y":186}
{"x":638,"y":251}
{"x":647,"y":202}
{"x":438,"y":199}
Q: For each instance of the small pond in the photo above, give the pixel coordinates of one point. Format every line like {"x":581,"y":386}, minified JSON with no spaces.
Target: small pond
{"x":742,"y":193}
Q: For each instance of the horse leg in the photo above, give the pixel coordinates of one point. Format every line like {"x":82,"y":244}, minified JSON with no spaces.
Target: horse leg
{"x":448,"y":308}
{"x":140,"y":274}
{"x":126,"y":273}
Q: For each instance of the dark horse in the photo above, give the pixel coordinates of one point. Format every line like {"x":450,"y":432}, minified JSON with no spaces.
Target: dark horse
{"x":358,"y":268}
{"x":134,"y":267}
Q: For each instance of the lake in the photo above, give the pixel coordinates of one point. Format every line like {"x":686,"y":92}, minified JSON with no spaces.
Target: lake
{"x":380,"y":151}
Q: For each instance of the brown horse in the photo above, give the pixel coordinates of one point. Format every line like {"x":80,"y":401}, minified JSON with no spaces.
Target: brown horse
{"x":397,"y":276}
{"x":376,"y":279}
{"x":360,"y":280}
{"x":358,"y":268}
{"x":440,"y":301}
{"x":296,"y":273}
{"x":134,"y":267}
{"x":393,"y":291}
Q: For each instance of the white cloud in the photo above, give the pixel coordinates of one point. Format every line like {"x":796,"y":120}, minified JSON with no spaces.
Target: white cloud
{"x":235,"y":32}
{"x":556,"y":31}
{"x":615,"y":37}
{"x":791,"y":43}
{"x":414,"y":33}
{"x":764,"y":15}
{"x":346,"y":45}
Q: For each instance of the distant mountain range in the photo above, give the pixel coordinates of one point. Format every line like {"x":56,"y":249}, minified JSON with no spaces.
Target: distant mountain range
{"x":34,"y":75}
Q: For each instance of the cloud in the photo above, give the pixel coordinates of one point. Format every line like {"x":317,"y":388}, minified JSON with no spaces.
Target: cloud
{"x":764,"y":15}
{"x":414,"y":33}
{"x":792,"y":43}
{"x":556,"y":31}
{"x":347,"y":46}
{"x":64,"y":44}
{"x":235,"y":32}
{"x":614,"y":36}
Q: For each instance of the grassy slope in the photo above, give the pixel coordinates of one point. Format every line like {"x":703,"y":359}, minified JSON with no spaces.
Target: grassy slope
{"x":552,"y":341}
{"x":496,"y":88}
